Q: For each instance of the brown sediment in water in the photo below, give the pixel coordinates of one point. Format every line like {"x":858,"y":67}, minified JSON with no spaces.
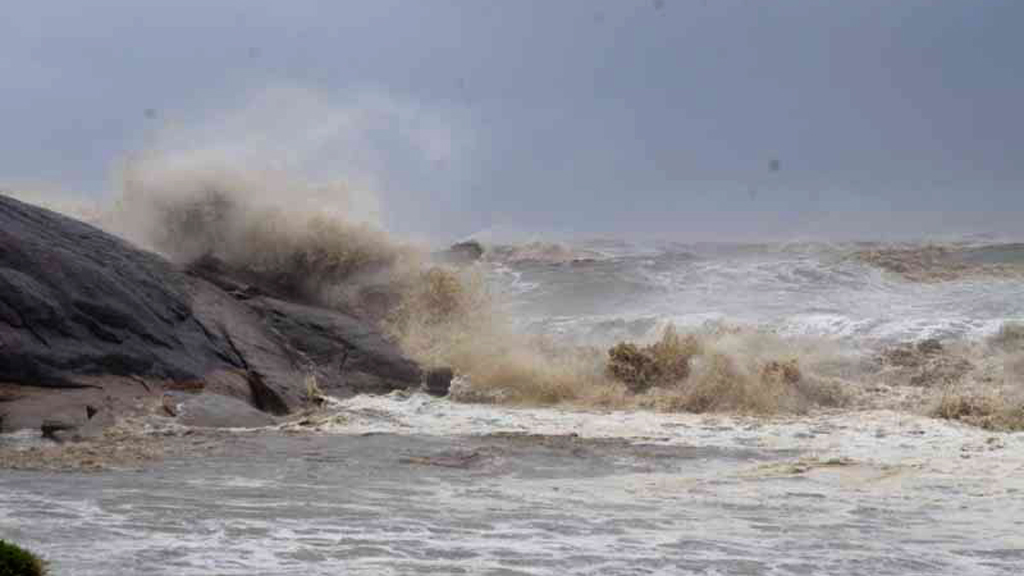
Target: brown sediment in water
{"x":662,"y":363}
{"x":927,"y":364}
{"x":934,"y":264}
{"x":742,"y":370}
{"x":992,"y":396}
{"x":121,"y":447}
{"x":722,"y":378}
{"x":719,"y":371}
{"x":735,"y":371}
{"x":991,"y":411}
{"x":445,"y":317}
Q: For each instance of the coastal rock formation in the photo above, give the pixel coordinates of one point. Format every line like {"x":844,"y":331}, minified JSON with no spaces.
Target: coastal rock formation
{"x":89,"y":322}
{"x":75,"y":301}
{"x":461,"y":253}
{"x":439,"y":381}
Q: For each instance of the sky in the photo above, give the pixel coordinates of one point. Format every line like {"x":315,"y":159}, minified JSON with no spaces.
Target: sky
{"x":672,"y":119}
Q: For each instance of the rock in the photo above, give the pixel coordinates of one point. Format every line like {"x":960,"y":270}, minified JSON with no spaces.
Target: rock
{"x":194,"y":386}
{"x":90,"y":325}
{"x":77,"y":301}
{"x":214,"y":411}
{"x":347,"y":354}
{"x":461,"y":253}
{"x":439,"y":381}
{"x":57,"y":430}
{"x":91,"y":407}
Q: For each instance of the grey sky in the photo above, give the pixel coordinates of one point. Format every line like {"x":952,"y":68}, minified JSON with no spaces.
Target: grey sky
{"x":587,"y":117}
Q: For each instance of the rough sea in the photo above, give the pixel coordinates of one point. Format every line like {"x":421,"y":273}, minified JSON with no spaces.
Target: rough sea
{"x":411,"y":484}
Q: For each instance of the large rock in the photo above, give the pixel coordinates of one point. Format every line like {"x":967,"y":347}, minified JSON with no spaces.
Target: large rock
{"x":86,"y":319}
{"x":76,"y":301}
{"x":438,"y":381}
{"x":214,"y":411}
{"x":348,"y":355}
{"x":461,"y":253}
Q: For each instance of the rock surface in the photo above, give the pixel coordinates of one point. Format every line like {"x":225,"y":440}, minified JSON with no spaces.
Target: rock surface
{"x":88,"y":322}
{"x":214,"y":411}
{"x":346,"y":353}
{"x":438,"y":381}
{"x":461,"y":253}
{"x":77,"y":301}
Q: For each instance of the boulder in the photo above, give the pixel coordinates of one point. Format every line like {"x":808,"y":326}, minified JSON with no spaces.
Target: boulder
{"x":460,"y":253}
{"x":88,"y":323}
{"x":347,"y":354}
{"x":214,"y":411}
{"x":76,"y":301}
{"x":438,"y":381}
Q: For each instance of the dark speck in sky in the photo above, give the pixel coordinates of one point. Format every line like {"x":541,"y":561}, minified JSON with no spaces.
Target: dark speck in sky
{"x":880,"y":105}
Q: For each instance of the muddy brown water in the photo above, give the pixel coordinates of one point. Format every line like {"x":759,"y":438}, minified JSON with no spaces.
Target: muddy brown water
{"x":293,"y":504}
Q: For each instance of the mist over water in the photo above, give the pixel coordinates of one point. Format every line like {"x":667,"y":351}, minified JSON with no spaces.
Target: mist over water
{"x":529,"y":323}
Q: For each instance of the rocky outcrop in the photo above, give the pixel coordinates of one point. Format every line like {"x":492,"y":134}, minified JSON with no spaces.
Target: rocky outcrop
{"x":87,"y":319}
{"x":460,"y":253}
{"x":76,"y":301}
{"x":438,"y":381}
{"x":214,"y":411}
{"x":347,"y":355}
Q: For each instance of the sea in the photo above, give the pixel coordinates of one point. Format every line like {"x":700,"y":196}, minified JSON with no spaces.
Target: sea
{"x":408,"y":483}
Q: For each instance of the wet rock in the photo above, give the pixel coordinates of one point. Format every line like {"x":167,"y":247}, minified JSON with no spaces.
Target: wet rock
{"x":58,"y":430}
{"x":214,"y":411}
{"x":194,"y":386}
{"x":79,"y":301}
{"x":100,"y":323}
{"x":346,"y":352}
{"x":438,"y":381}
{"x":461,"y":253}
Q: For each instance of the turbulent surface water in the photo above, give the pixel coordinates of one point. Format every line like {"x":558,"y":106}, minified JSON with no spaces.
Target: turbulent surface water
{"x":616,"y":290}
{"x":417,"y":485}
{"x":395,"y":485}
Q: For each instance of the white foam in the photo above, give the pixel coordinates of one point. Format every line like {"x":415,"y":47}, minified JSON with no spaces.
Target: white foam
{"x":881,"y":436}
